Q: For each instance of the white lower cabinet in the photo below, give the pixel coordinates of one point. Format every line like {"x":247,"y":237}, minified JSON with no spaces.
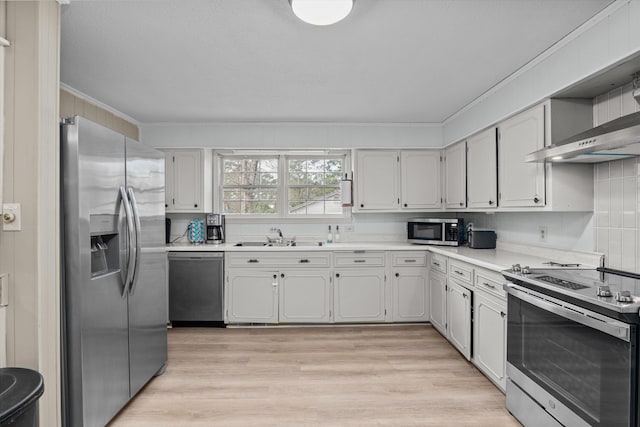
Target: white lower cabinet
{"x":438,"y":300}
{"x":489,"y":337}
{"x":410,"y":294}
{"x":252,"y":296}
{"x":459,"y":317}
{"x":305,"y":296}
{"x":359,"y":295}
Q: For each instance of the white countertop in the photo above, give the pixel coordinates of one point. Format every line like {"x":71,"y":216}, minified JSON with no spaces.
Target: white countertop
{"x":498,"y":259}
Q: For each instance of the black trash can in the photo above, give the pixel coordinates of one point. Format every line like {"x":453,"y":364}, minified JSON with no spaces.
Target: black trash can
{"x":20,"y":390}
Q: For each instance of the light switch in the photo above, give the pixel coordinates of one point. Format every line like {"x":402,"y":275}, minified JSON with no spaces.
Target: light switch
{"x":11,"y":219}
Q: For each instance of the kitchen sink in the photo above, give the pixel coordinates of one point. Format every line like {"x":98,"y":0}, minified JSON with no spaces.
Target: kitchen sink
{"x":307,"y":244}
{"x":279,"y":245}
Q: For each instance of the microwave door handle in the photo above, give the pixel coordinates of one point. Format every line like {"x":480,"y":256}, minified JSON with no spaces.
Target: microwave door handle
{"x":585,"y":317}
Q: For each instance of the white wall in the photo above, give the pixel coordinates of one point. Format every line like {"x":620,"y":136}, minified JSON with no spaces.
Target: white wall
{"x":31,"y":173}
{"x":292,"y":135}
{"x":366,"y":227}
{"x":607,"y":39}
{"x":565,"y":230}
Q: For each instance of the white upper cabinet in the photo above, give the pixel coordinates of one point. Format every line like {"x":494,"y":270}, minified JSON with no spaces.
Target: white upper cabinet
{"x":420,"y":179}
{"x":188,"y":180}
{"x":455,"y":159}
{"x":544,"y":186}
{"x":521,"y":184}
{"x":377,"y":180}
{"x":482,"y":170}
{"x":393,"y":180}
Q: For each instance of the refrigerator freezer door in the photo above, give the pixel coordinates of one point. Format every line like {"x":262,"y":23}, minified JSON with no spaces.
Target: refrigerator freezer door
{"x":96,"y":338}
{"x":148,"y":292}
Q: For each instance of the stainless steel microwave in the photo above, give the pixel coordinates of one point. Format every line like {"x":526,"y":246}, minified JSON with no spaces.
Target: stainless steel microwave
{"x":433,"y":231}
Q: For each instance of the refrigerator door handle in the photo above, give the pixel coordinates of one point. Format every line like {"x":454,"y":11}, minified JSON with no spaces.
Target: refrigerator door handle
{"x":136,"y":217}
{"x":130,"y":241}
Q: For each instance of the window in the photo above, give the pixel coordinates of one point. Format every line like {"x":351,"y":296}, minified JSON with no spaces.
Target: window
{"x":250,"y":185}
{"x":314,"y":186}
{"x":289,"y":185}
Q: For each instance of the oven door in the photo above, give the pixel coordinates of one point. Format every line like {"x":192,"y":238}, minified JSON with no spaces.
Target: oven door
{"x":426,"y":232}
{"x":578,"y":365}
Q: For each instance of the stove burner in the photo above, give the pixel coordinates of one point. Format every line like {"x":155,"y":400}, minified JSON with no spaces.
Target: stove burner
{"x":560,"y":282}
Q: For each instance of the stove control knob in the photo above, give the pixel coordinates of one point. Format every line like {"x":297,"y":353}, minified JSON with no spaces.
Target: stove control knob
{"x":623,"y":296}
{"x":603,"y":291}
{"x":516,"y":268}
{"x":525,"y":270}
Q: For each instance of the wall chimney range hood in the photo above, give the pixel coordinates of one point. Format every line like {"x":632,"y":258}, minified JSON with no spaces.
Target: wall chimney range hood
{"x":614,"y":140}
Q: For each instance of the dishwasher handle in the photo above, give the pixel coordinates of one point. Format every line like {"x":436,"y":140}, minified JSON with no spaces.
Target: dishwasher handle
{"x":195,"y":255}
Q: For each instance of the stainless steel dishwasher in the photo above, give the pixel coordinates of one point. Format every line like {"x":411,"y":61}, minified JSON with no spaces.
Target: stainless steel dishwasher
{"x":196,"y":286}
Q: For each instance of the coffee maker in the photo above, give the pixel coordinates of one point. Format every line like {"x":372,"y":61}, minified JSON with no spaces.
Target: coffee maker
{"x":215,"y":229}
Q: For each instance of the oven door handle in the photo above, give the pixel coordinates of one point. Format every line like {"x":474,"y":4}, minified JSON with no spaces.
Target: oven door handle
{"x":572,"y":312}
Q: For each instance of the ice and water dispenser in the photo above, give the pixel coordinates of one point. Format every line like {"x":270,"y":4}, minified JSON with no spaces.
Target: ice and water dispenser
{"x":104,"y":254}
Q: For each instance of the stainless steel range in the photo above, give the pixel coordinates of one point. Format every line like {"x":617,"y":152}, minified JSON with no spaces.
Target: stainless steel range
{"x":572,"y":346}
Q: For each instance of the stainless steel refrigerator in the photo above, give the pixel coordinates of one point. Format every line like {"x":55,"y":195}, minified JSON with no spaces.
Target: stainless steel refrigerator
{"x":114,"y":266}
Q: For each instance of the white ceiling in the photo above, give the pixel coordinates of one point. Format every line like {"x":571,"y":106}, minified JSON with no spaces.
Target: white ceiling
{"x":418,"y":61}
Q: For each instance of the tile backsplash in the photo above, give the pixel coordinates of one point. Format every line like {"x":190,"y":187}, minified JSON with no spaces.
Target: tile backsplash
{"x":617,"y":211}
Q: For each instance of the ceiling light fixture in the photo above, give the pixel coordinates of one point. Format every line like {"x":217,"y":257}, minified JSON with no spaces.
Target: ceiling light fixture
{"x":321,"y":12}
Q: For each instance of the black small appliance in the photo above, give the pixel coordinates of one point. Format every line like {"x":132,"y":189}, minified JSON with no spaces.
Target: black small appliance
{"x":215,"y":228}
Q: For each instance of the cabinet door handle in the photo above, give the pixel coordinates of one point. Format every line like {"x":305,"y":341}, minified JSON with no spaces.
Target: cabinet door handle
{"x":405,"y":205}
{"x":282,"y":275}
{"x":337,"y":274}
{"x":304,"y":260}
{"x":491,"y":202}
{"x":409,"y":260}
{"x":502,"y":314}
{"x":397,"y":274}
{"x":459,"y":273}
{"x":359,"y":260}
{"x":253,"y":261}
{"x":536,"y":200}
{"x":275,"y":280}
{"x":195,"y":205}
{"x":437,"y":264}
{"x":166,"y":205}
{"x":461,"y":203}
{"x":488,"y":285}
{"x":465,"y":296}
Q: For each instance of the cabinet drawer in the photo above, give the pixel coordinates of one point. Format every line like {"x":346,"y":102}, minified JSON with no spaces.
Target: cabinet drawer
{"x":357,"y":258}
{"x":409,"y":259}
{"x":461,"y":271}
{"x":491,"y":283}
{"x":438,"y":263}
{"x":261,"y":259}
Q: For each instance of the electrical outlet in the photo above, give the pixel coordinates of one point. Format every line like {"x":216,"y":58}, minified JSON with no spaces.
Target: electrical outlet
{"x":543,"y":233}
{"x":348,"y":228}
{"x":11,"y":217}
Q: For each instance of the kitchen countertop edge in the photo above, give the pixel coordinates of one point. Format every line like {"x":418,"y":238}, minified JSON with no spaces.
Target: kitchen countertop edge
{"x":492,"y":259}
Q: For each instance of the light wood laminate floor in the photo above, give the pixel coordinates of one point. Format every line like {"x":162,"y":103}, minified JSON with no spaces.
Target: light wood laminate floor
{"x":338,"y":376}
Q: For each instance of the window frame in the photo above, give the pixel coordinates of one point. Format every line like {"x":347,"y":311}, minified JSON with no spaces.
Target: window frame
{"x":282,"y":199}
